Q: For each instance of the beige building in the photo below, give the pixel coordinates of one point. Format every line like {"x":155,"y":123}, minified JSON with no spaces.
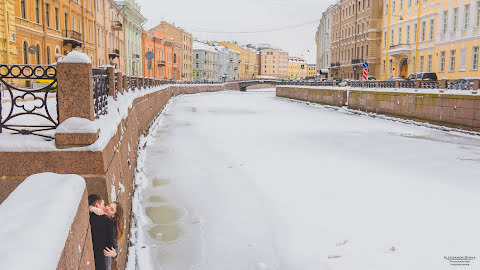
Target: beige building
{"x":274,"y":63}
{"x":356,"y":38}
{"x":186,"y":39}
{"x":110,"y":35}
{"x":249,"y":60}
{"x":8,"y":46}
{"x":297,"y":68}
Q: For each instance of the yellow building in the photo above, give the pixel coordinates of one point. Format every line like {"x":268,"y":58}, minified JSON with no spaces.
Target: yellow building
{"x":430,"y":36}
{"x":8,"y":46}
{"x":312,"y":70}
{"x":249,"y":60}
{"x":297,"y":68}
{"x":47,"y":29}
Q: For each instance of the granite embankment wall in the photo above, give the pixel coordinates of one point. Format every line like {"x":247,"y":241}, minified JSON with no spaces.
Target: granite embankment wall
{"x":109,"y":172}
{"x":433,"y":106}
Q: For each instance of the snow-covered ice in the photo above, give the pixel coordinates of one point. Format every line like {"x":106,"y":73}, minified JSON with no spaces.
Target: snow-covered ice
{"x":237,"y":181}
{"x":34,"y":225}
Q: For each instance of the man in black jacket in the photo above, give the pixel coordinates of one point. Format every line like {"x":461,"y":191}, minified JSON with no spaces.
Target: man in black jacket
{"x":101,"y":236}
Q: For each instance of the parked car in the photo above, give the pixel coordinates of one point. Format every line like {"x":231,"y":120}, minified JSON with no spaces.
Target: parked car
{"x":462,"y":84}
{"x":331,"y":79}
{"x":423,"y":76}
{"x":345,"y":82}
{"x":371,"y":78}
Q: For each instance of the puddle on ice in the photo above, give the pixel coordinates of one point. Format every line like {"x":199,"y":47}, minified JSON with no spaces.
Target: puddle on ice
{"x":165,"y":233}
{"x":163,"y":214}
{"x":158,"y":182}
{"x":156,"y":198}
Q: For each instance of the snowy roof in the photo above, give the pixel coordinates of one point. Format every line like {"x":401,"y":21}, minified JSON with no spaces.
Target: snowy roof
{"x":202,"y":46}
{"x":34,"y":225}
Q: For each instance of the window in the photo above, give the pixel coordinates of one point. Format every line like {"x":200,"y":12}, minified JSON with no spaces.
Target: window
{"x":413,"y":65}
{"x":385,"y":39}
{"x":455,"y":19}
{"x":393,"y":6}
{"x":475,"y":58}
{"x":48,"y":55}
{"x":466,"y":17}
{"x":432,"y":29}
{"x":383,"y":67}
{"x":421,"y":63}
{"x":478,"y":14}
{"x":445,"y":21}
{"x":38,"y":54}
{"x":452,"y":61}
{"x":409,"y":3}
{"x":23,"y":9}
{"x":66,"y":21}
{"x":390,"y":67}
{"x":25,"y":52}
{"x":442,"y":61}
{"x":463,"y":59}
{"x":366,"y":51}
{"x":37,"y":12}
{"x":423,"y":31}
{"x":416,"y":2}
{"x":408,"y":34}
{"x":57,"y":25}
{"x":47,"y":14}
{"x":392,"y":37}
{"x":399,"y":35}
{"x":415,"y":32}
{"x":429,"y":63}
{"x":400,"y":7}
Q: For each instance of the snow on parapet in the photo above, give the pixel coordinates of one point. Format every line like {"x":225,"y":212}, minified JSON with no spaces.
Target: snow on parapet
{"x":34,"y":225}
{"x":75,"y":57}
{"x":77,"y":125}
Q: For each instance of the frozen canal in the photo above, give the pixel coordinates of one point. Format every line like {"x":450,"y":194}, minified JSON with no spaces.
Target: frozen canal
{"x":239,"y":181}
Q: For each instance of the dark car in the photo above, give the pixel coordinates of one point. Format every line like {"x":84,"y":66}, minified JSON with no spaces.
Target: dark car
{"x":462,"y":84}
{"x":331,"y":79}
{"x":423,"y":76}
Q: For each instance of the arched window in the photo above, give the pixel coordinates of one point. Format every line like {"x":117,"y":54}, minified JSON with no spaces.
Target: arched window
{"x":38,"y":54}
{"x":25,"y":52}
{"x":48,"y":55}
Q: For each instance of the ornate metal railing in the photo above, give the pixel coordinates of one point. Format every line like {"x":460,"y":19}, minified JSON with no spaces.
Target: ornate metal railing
{"x":100,"y":91}
{"x":370,"y":84}
{"x":116,"y":83}
{"x":18,"y":105}
{"x":132,"y":83}
{"x":386,"y":84}
{"x":357,"y":84}
{"x":430,"y":84}
{"x":407,"y":84}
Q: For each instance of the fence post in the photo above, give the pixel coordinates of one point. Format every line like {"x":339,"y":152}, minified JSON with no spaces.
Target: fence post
{"x":119,"y":82}
{"x":476,"y":84}
{"x":397,"y":84}
{"x":111,"y":82}
{"x":140,"y":82}
{"x":137,"y":83}
{"x":418,"y":84}
{"x":125,"y":84}
{"x":363,"y":84}
{"x":75,"y":98}
{"x":377,"y":84}
{"x":443,"y":84}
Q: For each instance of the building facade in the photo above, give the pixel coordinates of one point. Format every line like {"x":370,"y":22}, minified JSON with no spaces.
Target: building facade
{"x":297,"y":68}
{"x":311,"y":71}
{"x":134,"y":21}
{"x":186,"y":40}
{"x":235,"y":62}
{"x":356,"y":38}
{"x":205,"y":62}
{"x":249,"y":60}
{"x":273,"y":63}
{"x":223,"y":63}
{"x":8,"y":45}
{"x":323,"y":40}
{"x":431,"y":36}
{"x":162,"y":58}
{"x":47,"y":30}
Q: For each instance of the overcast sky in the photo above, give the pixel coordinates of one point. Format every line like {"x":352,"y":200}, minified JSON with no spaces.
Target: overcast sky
{"x":244,"y":16}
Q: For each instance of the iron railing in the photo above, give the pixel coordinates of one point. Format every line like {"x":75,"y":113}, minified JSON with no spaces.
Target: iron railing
{"x":20,"y":104}
{"x":100,"y":91}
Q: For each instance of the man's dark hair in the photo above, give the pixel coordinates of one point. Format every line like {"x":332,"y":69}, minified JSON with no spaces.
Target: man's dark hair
{"x":94,"y":199}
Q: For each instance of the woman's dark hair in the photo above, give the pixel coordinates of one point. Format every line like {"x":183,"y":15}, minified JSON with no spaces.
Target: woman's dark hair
{"x":119,"y":221}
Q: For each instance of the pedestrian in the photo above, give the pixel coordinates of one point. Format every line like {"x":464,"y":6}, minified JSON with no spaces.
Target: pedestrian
{"x":99,"y":226}
{"x":115,"y":214}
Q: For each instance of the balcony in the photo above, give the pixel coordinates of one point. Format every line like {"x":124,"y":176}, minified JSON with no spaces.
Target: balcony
{"x":400,"y":50}
{"x":72,"y":38}
{"x":161,"y":63}
{"x":357,"y":61}
{"x":113,"y":53}
{"x":335,"y":64}
{"x":117,"y":26}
